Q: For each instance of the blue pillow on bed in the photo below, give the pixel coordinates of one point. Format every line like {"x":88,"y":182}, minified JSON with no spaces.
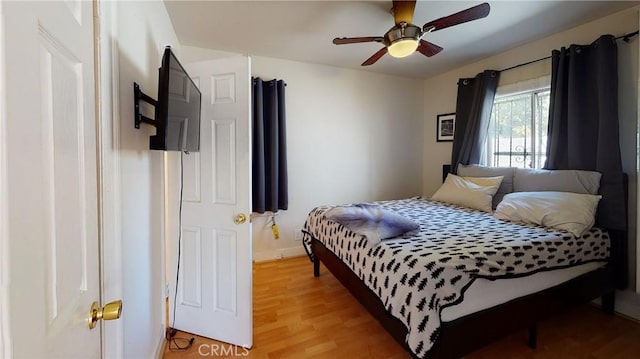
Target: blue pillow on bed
{"x":371,"y":221}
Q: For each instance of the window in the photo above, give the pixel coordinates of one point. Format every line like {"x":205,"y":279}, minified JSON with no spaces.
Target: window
{"x":517,"y":134}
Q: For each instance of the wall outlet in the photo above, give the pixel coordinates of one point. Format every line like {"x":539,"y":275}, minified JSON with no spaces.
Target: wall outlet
{"x":297,"y":235}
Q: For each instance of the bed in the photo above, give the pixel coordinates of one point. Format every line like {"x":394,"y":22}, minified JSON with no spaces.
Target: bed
{"x":418,"y":284}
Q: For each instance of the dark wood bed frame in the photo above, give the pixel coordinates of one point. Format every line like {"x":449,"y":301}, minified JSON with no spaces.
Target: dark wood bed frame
{"x":467,"y":334}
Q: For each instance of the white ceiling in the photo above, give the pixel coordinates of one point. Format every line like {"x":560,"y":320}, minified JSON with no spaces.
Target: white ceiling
{"x":303,"y":30}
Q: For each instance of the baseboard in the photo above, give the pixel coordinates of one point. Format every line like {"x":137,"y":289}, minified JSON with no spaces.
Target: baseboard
{"x":278,"y":254}
{"x":628,"y":304}
{"x":161,"y":345}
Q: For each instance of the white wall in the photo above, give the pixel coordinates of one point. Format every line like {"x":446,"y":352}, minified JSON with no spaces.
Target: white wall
{"x":441,"y":91}
{"x":142,"y":31}
{"x":352,"y":136}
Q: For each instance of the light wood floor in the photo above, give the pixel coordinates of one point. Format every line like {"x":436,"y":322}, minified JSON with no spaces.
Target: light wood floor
{"x":299,"y":316}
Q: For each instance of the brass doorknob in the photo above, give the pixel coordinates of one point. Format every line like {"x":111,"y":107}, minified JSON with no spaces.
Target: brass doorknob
{"x":110,"y":311}
{"x":240,"y":218}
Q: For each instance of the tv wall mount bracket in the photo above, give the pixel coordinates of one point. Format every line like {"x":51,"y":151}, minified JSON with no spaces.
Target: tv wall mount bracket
{"x":138,"y":96}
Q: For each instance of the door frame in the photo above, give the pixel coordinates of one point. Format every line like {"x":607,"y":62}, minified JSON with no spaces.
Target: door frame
{"x":5,"y":334}
{"x":637,"y":284}
{"x":109,"y":175}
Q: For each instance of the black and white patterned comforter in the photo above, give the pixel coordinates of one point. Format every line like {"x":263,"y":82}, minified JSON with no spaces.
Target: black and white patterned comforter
{"x":417,"y":275}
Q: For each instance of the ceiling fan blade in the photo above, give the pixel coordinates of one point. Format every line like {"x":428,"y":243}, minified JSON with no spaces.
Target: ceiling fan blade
{"x":372,"y":60}
{"x":474,"y":13}
{"x":403,"y":11}
{"x":428,"y":49}
{"x":353,"y":40}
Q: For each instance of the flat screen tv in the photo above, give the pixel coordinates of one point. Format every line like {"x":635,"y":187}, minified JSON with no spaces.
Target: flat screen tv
{"x":177,"y":112}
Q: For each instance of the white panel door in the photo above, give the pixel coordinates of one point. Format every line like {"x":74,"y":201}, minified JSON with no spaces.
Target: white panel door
{"x":51,"y":177}
{"x":214,"y":292}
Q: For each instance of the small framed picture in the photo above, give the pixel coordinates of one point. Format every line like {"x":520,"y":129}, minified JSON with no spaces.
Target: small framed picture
{"x":446,"y":127}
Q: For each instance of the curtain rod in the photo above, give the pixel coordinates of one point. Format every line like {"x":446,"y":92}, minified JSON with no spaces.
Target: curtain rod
{"x":625,"y":38}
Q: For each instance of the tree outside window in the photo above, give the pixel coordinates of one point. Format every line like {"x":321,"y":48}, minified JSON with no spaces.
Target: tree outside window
{"x":517,"y":134}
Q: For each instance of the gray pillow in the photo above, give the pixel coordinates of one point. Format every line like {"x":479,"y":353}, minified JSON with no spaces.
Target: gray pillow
{"x":575,"y":181}
{"x":506,"y":186}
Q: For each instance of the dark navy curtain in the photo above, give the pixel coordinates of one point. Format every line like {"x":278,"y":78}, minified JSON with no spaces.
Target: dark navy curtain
{"x":269,"y":163}
{"x":583,"y":130}
{"x":473,"y":110}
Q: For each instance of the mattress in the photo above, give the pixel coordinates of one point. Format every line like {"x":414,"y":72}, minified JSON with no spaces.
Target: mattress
{"x":485,"y":293}
{"x":417,"y":275}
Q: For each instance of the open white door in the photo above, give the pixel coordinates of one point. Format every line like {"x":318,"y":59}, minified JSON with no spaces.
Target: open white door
{"x":214,"y":293}
{"x":51,"y":177}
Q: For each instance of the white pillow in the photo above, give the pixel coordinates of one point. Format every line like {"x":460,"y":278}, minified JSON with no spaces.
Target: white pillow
{"x":572,"y":212}
{"x":483,"y":171}
{"x":471,"y":192}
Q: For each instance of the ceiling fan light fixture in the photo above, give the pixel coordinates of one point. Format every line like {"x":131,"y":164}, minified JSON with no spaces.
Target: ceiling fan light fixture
{"x":405,"y":38}
{"x":403,"y":47}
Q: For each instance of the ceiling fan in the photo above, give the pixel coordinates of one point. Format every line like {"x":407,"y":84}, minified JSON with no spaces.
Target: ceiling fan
{"x":404,"y":38}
